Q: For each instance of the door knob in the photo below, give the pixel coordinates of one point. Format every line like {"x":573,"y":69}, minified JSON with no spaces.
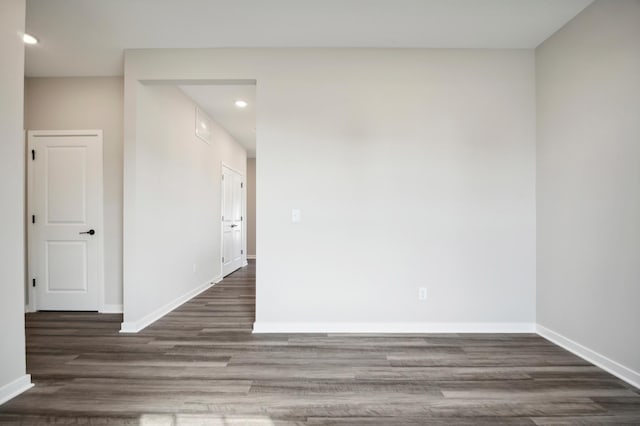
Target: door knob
{"x":90,"y":232}
{"x":233,"y":226}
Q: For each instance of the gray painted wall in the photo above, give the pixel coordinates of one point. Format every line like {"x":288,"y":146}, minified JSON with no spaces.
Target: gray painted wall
{"x":588,"y":181}
{"x":179,"y":203}
{"x":12,"y":163}
{"x":251,"y":206}
{"x":412,"y":167}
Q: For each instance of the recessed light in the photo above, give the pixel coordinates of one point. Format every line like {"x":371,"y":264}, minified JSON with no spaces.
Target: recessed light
{"x":29,"y":39}
{"x":241,"y":104}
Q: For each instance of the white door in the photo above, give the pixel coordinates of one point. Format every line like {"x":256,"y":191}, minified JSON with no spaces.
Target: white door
{"x":65,"y":219}
{"x":232,"y":220}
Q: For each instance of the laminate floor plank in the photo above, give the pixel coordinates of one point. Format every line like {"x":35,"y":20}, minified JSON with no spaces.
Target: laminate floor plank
{"x":201,"y":365}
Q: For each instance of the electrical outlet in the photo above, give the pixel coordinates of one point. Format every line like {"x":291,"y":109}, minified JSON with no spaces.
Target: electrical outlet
{"x":422,"y":293}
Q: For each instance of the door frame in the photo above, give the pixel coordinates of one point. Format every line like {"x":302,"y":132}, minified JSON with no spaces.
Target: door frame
{"x":32,"y":306}
{"x":243,"y":208}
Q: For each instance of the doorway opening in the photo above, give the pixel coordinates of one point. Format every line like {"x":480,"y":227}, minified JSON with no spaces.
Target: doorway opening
{"x":231,"y":106}
{"x":189,"y":133}
{"x":233,"y":214}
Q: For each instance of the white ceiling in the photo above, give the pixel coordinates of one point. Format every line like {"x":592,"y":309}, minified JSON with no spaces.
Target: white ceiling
{"x":219,"y":103}
{"x":87,"y":37}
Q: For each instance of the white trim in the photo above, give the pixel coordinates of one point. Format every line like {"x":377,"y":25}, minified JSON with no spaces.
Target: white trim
{"x":625,"y":373}
{"x":111,"y":309}
{"x":136,"y":326}
{"x":15,"y":388}
{"x":392,"y":327}
{"x":251,"y":257}
{"x":31,"y":306}
{"x":31,"y":134}
{"x":102,"y":232}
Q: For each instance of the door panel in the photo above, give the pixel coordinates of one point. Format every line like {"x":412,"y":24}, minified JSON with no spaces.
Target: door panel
{"x":65,"y":263}
{"x":228,"y":247}
{"x":65,"y":184}
{"x":66,"y":201}
{"x":232,"y":220}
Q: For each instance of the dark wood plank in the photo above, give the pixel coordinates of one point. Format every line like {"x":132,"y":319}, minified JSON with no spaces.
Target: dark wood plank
{"x":201,"y":365}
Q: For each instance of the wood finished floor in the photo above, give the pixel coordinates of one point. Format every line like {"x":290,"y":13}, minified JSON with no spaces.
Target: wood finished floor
{"x":200,"y":365}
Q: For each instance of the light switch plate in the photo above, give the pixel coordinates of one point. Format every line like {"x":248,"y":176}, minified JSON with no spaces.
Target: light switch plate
{"x":422,"y":293}
{"x":296,"y":215}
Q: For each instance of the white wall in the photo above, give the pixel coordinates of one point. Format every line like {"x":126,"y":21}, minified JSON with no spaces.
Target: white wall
{"x":89,"y":103}
{"x":178,"y":205}
{"x":588,"y":180}
{"x":12,"y":159}
{"x":411,"y":168}
{"x":251,"y":206}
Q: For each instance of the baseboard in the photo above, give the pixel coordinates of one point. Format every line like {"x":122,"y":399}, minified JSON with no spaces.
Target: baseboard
{"x":136,"y":326}
{"x":251,"y":256}
{"x":625,"y":373}
{"x":394,"y":327}
{"x":111,"y":309}
{"x":15,"y":388}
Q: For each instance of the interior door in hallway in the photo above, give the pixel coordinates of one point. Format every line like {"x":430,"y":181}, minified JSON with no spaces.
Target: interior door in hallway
{"x":232,"y":220}
{"x":65,"y":219}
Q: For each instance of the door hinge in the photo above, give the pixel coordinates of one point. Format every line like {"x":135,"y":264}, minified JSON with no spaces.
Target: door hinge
{"x":222,"y":177}
{"x":241,"y":218}
{"x":33,"y":218}
{"x":241,"y":251}
{"x":33,"y":154}
{"x":33,"y":282}
{"x":222,"y":217}
{"x":241,"y":185}
{"x":223,"y":260}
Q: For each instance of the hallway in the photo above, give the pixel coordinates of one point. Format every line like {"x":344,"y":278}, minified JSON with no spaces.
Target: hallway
{"x":201,"y":365}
